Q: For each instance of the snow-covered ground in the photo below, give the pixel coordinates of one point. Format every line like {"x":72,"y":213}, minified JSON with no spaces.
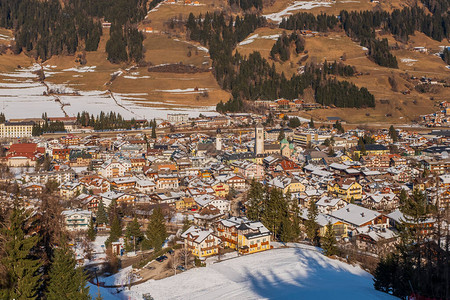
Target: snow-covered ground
{"x":297,"y":5}
{"x":21,"y":96}
{"x":408,"y":61}
{"x":253,"y":37}
{"x":288,"y":273}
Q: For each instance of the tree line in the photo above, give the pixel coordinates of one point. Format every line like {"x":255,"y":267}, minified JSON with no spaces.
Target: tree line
{"x":252,"y":77}
{"x":361,"y":26}
{"x":105,"y":121}
{"x":45,"y":28}
{"x":247,"y":4}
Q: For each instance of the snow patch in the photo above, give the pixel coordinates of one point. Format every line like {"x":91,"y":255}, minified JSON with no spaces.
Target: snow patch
{"x":81,"y":69}
{"x":297,"y":5}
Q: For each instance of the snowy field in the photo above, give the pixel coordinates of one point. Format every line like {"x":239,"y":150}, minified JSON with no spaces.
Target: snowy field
{"x":297,"y":5}
{"x":253,"y":37}
{"x":287,"y":273}
{"x":21,"y":96}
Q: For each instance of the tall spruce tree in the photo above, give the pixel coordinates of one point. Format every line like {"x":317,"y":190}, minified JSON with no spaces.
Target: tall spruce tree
{"x":329,"y":241}
{"x":312,"y":228}
{"x":393,"y":133}
{"x":156,"y":230}
{"x":66,"y":280}
{"x":133,"y":235}
{"x":91,"y":232}
{"x":21,"y":267}
{"x":255,"y":197}
{"x":116,"y":231}
{"x":102,"y":217}
{"x":154,"y":129}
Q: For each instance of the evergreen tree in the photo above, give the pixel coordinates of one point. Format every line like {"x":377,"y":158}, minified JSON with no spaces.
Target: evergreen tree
{"x":116,"y":231}
{"x":296,"y":219}
{"x":66,"y":280}
{"x":393,"y":133}
{"x":329,"y":241}
{"x":312,"y":228}
{"x":311,"y":123}
{"x":91,"y":233}
{"x":255,"y":197}
{"x":154,"y":129}
{"x":156,"y":230}
{"x":102,"y":217}
{"x":133,"y":235}
{"x":281,"y":135}
{"x":21,"y":268}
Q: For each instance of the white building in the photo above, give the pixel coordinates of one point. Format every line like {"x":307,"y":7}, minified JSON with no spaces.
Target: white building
{"x":177,"y":118}
{"x":77,"y":219}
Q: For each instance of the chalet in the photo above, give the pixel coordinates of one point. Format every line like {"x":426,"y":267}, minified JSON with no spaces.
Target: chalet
{"x":243,"y":235}
{"x":202,"y":243}
{"x":346,"y":189}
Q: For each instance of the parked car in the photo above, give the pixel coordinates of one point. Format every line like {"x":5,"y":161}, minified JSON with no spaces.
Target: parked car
{"x":181,"y":268}
{"x":171,"y":252}
{"x":161,"y":258}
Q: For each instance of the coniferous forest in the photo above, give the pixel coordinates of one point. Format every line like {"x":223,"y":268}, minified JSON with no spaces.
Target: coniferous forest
{"x":45,"y":28}
{"x":253,"y":77}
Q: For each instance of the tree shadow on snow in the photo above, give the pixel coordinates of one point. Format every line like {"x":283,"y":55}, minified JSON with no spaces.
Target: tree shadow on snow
{"x":313,"y":276}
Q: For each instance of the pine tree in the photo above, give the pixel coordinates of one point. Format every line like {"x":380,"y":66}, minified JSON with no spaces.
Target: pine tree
{"x":113,"y":211}
{"x":156,"y":230}
{"x":102,"y":217}
{"x":254,"y":199}
{"x":393,"y":133}
{"x":21,"y":268}
{"x":116,"y":231}
{"x":296,"y":219}
{"x":66,"y":281}
{"x":91,"y":233}
{"x":329,"y":241}
{"x":281,"y":135}
{"x":312,"y":228}
{"x":154,"y":129}
{"x":133,"y":235}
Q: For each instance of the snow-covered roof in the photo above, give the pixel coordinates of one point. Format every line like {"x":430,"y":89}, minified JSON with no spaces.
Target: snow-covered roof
{"x":355,"y":214}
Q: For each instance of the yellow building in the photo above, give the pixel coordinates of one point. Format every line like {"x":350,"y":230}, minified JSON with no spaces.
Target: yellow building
{"x":243,"y":235}
{"x":287,"y":184}
{"x":370,"y":149}
{"x":184,"y":203}
{"x":201,"y":243}
{"x":16,"y":129}
{"x":220,"y":189}
{"x":345,"y":189}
